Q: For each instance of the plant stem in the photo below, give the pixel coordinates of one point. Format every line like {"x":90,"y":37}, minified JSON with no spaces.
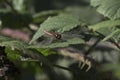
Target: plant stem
{"x":111,"y":40}
{"x":61,"y":67}
{"x":92,"y":47}
{"x":116,"y":44}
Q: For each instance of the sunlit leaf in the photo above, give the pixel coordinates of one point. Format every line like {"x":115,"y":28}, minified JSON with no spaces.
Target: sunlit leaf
{"x":109,"y":8}
{"x":108,"y":29}
{"x":59,"y":24}
{"x":46,"y":51}
{"x":115,"y":34}
{"x":104,"y":24}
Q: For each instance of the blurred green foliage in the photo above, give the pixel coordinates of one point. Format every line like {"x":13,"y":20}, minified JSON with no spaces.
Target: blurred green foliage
{"x":79,"y":22}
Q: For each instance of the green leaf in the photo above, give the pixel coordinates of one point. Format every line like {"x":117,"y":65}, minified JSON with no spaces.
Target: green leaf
{"x":103,"y":24}
{"x":72,"y":41}
{"x":108,"y":29}
{"x":46,"y":51}
{"x":85,"y":13}
{"x":31,"y":53}
{"x":60,"y":24}
{"x":13,"y":44}
{"x":115,"y":35}
{"x":12,"y":55}
{"x":109,"y":8}
{"x":14,"y":48}
{"x":18,"y":48}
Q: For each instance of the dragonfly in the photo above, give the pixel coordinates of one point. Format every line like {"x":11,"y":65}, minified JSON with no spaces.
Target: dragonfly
{"x":53,"y":34}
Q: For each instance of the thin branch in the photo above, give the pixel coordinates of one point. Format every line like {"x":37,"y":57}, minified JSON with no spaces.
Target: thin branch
{"x":111,"y":40}
{"x":116,"y":44}
{"x":61,"y":67}
{"x":92,"y":47}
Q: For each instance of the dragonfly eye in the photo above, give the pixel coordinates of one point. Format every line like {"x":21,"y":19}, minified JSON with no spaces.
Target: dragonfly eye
{"x":57,"y":36}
